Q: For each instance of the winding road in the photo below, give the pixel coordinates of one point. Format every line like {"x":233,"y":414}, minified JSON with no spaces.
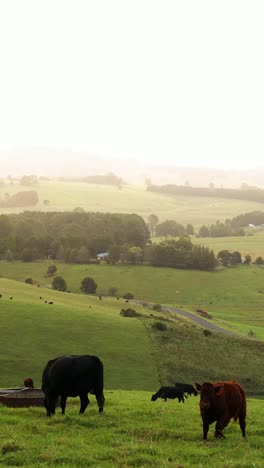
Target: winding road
{"x":194,"y":318}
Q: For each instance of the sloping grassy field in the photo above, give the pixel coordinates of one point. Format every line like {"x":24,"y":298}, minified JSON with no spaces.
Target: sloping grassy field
{"x":234,"y":296}
{"x":132,"y":432}
{"x":33,"y":332}
{"x":136,"y":354}
{"x":65,"y":196}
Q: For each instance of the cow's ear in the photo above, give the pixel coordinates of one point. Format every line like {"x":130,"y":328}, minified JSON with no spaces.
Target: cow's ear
{"x":219,"y":390}
{"x":198,"y":386}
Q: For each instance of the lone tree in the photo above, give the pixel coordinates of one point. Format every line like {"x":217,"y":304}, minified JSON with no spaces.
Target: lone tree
{"x":88,"y":285}
{"x":51,"y":270}
{"x":59,"y":283}
{"x":153,"y":221}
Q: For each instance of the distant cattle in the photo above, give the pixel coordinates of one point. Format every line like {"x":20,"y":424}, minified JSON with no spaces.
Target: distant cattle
{"x":40,"y":297}
{"x":187,"y":388}
{"x":100,"y":297}
{"x":72,"y":376}
{"x":220,"y":402}
{"x":10,"y":298}
{"x":1,"y":295}
{"x":50,"y":302}
{"x":29,"y":383}
{"x":169,"y":392}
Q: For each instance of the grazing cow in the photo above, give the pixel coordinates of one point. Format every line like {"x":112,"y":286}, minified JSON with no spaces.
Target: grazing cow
{"x":169,"y":392}
{"x":71,"y":376}
{"x":1,"y":295}
{"x":28,"y":383}
{"x":220,"y":402}
{"x":187,"y":388}
{"x":40,"y":297}
{"x":11,"y":298}
{"x":50,"y":302}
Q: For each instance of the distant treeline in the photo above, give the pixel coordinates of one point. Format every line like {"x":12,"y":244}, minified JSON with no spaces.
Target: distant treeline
{"x":37,"y":235}
{"x":255,"y":194}
{"x":99,"y":179}
{"x":78,"y":238}
{"x":27,"y":198}
{"x":254,"y":217}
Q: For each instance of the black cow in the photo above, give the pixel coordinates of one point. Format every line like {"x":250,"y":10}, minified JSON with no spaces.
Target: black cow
{"x":72,"y":376}
{"x":169,"y":392}
{"x":187,"y":388}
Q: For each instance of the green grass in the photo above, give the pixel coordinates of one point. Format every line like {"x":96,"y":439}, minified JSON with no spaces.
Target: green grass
{"x":65,"y":196}
{"x":33,"y":332}
{"x":136,"y":355}
{"x":132,"y":432}
{"x":234,"y":296}
{"x":246,"y":245}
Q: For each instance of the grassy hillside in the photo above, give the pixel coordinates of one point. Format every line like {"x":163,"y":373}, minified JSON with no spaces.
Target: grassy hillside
{"x":234,"y":296}
{"x":135,"y":353}
{"x":132,"y":432}
{"x":132,"y":199}
{"x":33,"y":332}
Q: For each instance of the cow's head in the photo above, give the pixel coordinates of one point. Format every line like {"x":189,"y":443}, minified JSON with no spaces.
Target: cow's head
{"x":209,"y":394}
{"x":154,"y":397}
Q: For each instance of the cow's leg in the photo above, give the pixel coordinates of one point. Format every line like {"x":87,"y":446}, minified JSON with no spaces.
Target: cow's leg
{"x":84,"y":403}
{"x":220,"y":425}
{"x":63,"y":403}
{"x":242,"y":424}
{"x":100,"y":400}
{"x":205,"y":429}
{"x":50,"y":404}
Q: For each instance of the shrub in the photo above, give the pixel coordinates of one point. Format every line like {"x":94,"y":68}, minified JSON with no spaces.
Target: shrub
{"x":88,"y":285}
{"x":252,"y":334}
{"x":59,"y":283}
{"x":29,"y":280}
{"x":207,"y":332}
{"x":128,"y":295}
{"x":160,"y":326}
{"x":129,"y":313}
{"x":51,"y":270}
{"x":157,"y":307}
{"x":203,"y":313}
{"x":113,"y":291}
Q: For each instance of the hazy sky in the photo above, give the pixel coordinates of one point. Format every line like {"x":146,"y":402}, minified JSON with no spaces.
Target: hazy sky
{"x":177,"y":82}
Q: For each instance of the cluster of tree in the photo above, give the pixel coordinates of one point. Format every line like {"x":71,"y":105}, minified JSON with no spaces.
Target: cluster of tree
{"x":182,"y":254}
{"x":70,"y":236}
{"x":227,"y":258}
{"x":168,"y":227}
{"x":251,"y":194}
{"x":254,"y":217}
{"x":88,"y":285}
{"x":104,"y":179}
{"x":27,"y":198}
{"x":28,"y":180}
{"x":220,"y":230}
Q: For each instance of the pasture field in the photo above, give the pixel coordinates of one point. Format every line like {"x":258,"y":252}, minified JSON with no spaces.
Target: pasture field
{"x":65,"y":196}
{"x":247,"y":245}
{"x":136,"y":354}
{"x":131,"y":432}
{"x":33,"y":332}
{"x":233,"y":296}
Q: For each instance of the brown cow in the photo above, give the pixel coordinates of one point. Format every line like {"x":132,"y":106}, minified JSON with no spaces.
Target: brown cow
{"x":220,"y":402}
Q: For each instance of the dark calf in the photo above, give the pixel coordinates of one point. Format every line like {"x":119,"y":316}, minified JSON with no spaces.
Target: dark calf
{"x":169,"y":392}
